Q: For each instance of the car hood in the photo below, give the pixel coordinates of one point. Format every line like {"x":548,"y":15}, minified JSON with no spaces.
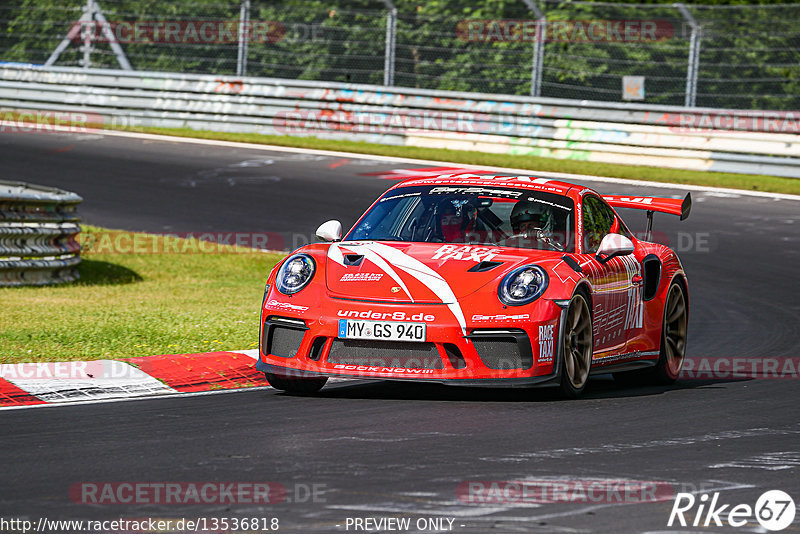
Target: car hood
{"x":419,"y":272}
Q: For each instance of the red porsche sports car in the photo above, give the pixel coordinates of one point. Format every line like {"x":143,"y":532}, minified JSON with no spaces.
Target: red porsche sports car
{"x":481,"y":281}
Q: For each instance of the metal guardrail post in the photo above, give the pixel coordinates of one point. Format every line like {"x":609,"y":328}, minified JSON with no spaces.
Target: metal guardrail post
{"x":244,"y":38}
{"x":694,"y":55}
{"x":38,"y":226}
{"x":391,"y":43}
{"x":538,"y":48}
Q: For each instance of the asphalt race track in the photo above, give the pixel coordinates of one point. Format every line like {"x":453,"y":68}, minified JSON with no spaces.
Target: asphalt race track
{"x":382,"y":449}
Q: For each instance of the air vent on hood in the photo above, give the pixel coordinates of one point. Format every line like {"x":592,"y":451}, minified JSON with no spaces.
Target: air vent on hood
{"x":484,"y":266}
{"x":353,"y":260}
{"x":569,"y":260}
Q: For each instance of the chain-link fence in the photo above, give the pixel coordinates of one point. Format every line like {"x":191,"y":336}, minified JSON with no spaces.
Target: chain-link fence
{"x":743,"y":56}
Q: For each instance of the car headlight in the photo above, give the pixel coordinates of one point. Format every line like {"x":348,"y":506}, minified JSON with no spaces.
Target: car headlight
{"x":522,"y":285}
{"x":295,"y":274}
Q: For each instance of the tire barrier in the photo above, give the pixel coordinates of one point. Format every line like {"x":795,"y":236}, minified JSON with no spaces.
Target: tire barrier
{"x":38,"y":229}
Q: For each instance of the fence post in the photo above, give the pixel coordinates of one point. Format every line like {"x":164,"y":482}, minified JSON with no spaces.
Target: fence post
{"x":244,"y":38}
{"x":105,"y":27}
{"x":538,"y":48}
{"x":694,"y":55}
{"x":76,"y":31}
{"x":87,"y":30}
{"x":391,"y":41}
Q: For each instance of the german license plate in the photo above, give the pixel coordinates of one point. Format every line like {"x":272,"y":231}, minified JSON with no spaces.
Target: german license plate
{"x":381,"y":330}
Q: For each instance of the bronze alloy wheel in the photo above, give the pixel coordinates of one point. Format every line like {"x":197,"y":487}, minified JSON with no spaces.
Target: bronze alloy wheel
{"x":673,"y":336}
{"x":577,"y":347}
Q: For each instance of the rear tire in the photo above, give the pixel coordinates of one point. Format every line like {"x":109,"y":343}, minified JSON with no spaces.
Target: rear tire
{"x":673,"y":336}
{"x":296,"y":386}
{"x":673,"y":345}
{"x":576,"y":354}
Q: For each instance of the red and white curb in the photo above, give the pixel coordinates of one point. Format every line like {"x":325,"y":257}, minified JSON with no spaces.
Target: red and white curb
{"x":26,"y":384}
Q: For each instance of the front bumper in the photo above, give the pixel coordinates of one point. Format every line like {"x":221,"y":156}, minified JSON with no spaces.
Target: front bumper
{"x":512,"y":347}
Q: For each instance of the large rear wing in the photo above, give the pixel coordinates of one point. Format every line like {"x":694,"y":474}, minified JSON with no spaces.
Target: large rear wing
{"x":672,"y":206}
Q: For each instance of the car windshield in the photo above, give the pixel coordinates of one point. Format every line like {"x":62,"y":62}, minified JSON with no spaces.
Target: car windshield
{"x":470,"y":215}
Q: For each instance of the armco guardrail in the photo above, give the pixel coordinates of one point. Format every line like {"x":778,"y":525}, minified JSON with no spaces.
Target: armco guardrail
{"x":752,"y":142}
{"x":38,"y":226}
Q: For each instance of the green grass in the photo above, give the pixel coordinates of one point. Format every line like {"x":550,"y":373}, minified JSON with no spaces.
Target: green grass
{"x":129,"y":305}
{"x":633,"y":172}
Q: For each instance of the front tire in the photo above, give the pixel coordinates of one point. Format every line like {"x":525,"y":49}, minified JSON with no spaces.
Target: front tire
{"x":296,"y":386}
{"x":576,"y":354}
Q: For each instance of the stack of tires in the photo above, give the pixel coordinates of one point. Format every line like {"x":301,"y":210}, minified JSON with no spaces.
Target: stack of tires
{"x":38,"y":230}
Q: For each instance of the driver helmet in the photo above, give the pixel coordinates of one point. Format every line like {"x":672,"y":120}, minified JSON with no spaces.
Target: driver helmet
{"x":528,"y":217}
{"x":456,"y":219}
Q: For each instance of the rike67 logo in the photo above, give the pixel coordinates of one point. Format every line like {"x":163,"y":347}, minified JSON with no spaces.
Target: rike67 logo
{"x":774,"y":510}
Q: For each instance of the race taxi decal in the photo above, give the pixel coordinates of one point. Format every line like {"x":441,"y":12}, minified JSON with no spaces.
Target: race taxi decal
{"x":465,"y":253}
{"x":546,"y":342}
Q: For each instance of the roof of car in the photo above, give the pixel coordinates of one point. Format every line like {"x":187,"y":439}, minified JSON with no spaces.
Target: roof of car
{"x":536,"y":183}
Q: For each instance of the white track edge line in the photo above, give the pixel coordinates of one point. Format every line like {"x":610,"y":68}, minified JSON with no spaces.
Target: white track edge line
{"x":397,"y":159}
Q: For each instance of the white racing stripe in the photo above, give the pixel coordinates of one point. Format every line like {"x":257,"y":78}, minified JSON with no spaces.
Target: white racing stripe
{"x":384,"y":255}
{"x":430,"y":278}
{"x":335,"y":254}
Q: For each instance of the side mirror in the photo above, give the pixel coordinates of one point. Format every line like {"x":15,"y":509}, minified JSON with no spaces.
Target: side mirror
{"x":330,"y":231}
{"x":613,"y":245}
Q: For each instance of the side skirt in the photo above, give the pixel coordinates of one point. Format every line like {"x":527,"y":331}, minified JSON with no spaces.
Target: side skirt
{"x":632,"y":365}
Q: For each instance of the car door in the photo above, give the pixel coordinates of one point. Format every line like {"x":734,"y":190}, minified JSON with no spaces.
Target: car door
{"x":615,"y":282}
